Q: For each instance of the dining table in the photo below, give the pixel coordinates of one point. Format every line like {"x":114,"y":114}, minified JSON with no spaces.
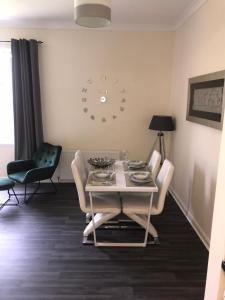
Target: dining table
{"x":120,"y":182}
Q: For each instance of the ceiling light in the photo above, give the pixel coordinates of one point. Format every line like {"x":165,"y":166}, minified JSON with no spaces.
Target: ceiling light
{"x":92,"y":13}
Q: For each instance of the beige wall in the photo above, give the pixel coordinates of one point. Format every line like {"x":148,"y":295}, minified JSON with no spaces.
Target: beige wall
{"x":199,"y":49}
{"x":140,"y":61}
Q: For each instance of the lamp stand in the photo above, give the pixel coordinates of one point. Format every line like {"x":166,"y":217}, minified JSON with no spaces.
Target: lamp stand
{"x":159,"y":140}
{"x":161,"y":145}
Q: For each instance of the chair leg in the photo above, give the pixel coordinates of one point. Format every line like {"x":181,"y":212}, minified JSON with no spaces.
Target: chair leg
{"x":141,"y":220}
{"x":25,"y":194}
{"x":31,"y":196}
{"x":6,"y":202}
{"x":99,"y":219}
{"x":88,"y":218}
{"x":54,"y":186}
{"x":14,"y":195}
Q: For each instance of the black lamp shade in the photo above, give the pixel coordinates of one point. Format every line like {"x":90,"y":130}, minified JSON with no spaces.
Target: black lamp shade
{"x":162,"y":123}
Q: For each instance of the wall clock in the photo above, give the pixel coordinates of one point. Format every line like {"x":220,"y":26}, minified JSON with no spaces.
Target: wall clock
{"x":103,"y":98}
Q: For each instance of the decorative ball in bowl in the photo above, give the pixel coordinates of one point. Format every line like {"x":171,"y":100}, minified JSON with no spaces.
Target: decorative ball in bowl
{"x":101,"y":162}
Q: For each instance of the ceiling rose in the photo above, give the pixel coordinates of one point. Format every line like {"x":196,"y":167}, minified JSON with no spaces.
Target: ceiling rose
{"x":92,"y":13}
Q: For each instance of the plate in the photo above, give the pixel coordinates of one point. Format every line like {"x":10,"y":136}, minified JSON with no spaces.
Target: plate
{"x":100,"y":183}
{"x":141,"y":175}
{"x":102,"y":174}
{"x":136,"y":164}
{"x":148,"y":179}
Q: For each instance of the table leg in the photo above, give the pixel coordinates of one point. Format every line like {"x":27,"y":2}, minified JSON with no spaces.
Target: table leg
{"x":93,"y":219}
{"x":144,"y":244}
{"x":148,"y":220}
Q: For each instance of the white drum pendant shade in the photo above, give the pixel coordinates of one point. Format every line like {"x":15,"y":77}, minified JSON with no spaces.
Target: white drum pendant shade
{"x":92,"y":13}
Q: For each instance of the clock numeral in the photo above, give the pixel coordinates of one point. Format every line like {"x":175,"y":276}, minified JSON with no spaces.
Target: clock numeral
{"x":103,"y":77}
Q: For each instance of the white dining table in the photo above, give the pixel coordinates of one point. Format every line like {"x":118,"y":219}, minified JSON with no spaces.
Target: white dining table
{"x":121,"y":186}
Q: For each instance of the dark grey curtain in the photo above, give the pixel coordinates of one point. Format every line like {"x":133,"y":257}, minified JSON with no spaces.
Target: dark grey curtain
{"x":26,"y":98}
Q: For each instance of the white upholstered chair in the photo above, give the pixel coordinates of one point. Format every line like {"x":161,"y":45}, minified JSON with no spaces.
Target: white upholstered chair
{"x":136,"y":206}
{"x":154,"y":163}
{"x":104,"y":209}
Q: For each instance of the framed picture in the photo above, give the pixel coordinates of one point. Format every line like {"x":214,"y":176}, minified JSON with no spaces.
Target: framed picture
{"x":206,"y":99}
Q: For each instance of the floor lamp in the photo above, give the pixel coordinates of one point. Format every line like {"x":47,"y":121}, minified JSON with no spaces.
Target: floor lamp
{"x":160,"y":124}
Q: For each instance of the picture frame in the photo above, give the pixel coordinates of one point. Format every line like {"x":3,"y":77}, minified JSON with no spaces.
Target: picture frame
{"x":206,"y":99}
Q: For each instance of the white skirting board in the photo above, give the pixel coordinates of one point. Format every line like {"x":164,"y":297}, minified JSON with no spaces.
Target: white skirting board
{"x":63,"y":172}
{"x":195,"y":225}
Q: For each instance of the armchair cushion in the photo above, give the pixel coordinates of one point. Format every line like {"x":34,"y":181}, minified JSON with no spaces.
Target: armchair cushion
{"x":19,"y":165}
{"x":47,"y":156}
{"x":6,"y":184}
{"x":38,"y":174}
{"x":18,"y":177}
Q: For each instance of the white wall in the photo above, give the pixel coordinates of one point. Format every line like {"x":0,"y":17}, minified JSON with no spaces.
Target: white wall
{"x":6,"y":155}
{"x":199,"y":49}
{"x":215,"y":284}
{"x":68,"y":58}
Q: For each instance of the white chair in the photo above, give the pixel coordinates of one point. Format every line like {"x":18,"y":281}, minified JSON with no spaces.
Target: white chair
{"x":105,"y":206}
{"x":85,"y":155}
{"x":154,"y":163}
{"x":136,"y":206}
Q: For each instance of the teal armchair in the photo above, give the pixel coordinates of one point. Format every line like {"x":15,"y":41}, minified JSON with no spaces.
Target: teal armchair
{"x":41,"y":167}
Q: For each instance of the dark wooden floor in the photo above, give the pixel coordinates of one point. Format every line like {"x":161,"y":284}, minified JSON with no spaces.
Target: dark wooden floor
{"x":42,"y":256}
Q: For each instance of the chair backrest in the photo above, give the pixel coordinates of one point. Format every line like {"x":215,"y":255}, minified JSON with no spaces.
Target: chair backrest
{"x":163,"y":181}
{"x":47,"y":156}
{"x":154,"y":163}
{"x":80,"y":177}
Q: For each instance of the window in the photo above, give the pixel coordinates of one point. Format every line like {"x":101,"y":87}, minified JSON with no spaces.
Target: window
{"x":6,"y":99}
